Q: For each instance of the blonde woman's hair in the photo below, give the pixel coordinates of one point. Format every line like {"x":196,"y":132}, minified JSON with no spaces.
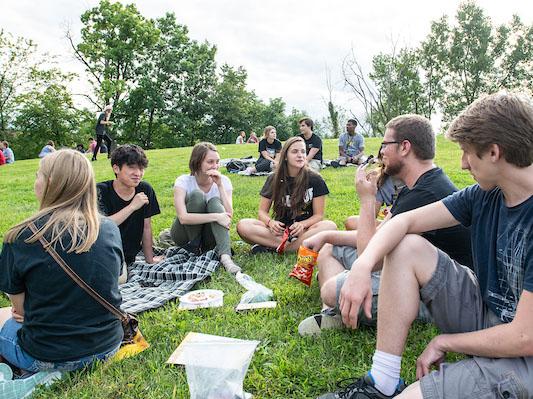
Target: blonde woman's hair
{"x":68,"y":199}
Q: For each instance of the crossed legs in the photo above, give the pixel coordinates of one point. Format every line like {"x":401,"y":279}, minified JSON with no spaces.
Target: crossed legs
{"x":254,"y":231}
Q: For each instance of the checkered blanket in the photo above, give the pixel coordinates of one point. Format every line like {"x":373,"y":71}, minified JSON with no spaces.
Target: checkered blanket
{"x":150,"y":286}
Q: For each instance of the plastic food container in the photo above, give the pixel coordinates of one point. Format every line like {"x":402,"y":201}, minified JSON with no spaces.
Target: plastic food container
{"x":203,"y":298}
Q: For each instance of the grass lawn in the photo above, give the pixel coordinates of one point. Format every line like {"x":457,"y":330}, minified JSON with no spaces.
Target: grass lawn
{"x":284,"y":364}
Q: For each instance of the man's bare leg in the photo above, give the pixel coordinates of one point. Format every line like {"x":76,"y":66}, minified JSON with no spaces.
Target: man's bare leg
{"x":413,"y":391}
{"x":402,"y":277}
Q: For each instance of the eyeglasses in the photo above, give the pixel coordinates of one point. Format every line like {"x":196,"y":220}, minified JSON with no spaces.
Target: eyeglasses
{"x":384,"y":144}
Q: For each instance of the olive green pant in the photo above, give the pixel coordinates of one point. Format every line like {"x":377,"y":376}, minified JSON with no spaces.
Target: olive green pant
{"x":211,"y":234}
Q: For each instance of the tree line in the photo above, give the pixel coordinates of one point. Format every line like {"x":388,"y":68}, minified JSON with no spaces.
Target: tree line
{"x":167,"y":90}
{"x":458,"y":61}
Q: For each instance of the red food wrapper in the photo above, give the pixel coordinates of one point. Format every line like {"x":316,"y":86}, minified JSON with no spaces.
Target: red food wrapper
{"x":303,"y":269}
{"x":281,"y":247}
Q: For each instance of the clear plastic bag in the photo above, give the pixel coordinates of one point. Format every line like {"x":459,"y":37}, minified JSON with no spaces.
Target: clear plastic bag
{"x":255,"y":292}
{"x":216,"y":366}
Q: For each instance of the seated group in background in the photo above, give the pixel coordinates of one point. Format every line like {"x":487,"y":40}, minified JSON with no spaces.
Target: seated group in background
{"x":297,"y":196}
{"x":313,"y":144}
{"x":241,"y":138}
{"x":204,"y":206}
{"x":407,"y":153}
{"x":52,"y":323}
{"x":49,"y":148}
{"x":7,"y":152}
{"x":253,"y":138}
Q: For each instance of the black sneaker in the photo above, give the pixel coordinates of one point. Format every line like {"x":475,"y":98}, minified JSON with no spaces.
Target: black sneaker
{"x":362,"y":388}
{"x":260,"y":249}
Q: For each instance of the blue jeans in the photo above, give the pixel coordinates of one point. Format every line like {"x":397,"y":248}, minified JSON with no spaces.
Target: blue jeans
{"x":14,"y":354}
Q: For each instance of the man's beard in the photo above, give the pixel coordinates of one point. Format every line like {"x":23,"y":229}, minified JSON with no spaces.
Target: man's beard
{"x":394,"y":169}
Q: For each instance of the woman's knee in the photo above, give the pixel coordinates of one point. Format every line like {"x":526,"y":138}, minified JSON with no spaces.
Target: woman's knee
{"x":328,"y":225}
{"x":214,"y":205}
{"x":322,"y":226}
{"x":195,"y":202}
{"x":243,"y":226}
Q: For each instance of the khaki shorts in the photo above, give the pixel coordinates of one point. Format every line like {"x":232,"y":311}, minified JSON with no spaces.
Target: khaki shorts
{"x":454,"y":300}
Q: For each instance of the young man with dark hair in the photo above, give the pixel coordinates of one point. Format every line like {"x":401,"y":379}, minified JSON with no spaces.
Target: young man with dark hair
{"x":351,"y":145}
{"x":313,"y":144}
{"x":130,"y":202}
{"x":486,"y":315}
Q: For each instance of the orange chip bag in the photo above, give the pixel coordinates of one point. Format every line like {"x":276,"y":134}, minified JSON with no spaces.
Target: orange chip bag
{"x":303,"y":269}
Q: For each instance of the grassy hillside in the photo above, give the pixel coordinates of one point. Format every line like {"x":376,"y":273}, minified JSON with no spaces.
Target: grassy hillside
{"x":284,"y":365}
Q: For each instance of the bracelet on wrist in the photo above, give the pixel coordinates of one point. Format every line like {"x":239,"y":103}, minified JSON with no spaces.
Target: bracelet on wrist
{"x":268,"y":223}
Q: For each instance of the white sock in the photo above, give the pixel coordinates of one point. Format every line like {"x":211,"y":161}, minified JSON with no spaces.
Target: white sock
{"x":386,"y":371}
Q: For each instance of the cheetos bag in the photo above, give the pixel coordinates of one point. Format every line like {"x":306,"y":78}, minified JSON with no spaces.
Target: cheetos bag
{"x":303,"y":269}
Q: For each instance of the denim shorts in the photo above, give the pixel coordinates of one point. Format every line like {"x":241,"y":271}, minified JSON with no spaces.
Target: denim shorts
{"x":14,"y":354}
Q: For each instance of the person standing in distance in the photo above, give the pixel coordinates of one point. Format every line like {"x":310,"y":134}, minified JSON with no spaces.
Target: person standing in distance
{"x":101,"y":131}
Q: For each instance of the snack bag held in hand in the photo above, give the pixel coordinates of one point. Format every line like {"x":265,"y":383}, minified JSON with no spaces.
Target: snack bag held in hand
{"x":303,"y":269}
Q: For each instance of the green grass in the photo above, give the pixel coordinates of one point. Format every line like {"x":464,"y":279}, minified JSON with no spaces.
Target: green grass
{"x":284,"y":365}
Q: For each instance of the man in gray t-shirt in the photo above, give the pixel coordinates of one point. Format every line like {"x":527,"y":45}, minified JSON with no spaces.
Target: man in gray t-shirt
{"x":351,"y":145}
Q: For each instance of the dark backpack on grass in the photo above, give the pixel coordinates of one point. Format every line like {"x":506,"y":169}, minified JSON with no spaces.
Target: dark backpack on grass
{"x":235,"y":166}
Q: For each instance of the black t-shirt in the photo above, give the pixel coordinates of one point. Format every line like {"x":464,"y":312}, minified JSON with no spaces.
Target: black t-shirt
{"x":100,"y":129}
{"x":61,"y":321}
{"x":316,"y":188}
{"x":272,"y":149}
{"x":433,"y":186}
{"x":313,"y":142}
{"x":131,"y":229}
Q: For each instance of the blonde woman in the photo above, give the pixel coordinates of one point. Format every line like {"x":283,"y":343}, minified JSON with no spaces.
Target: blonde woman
{"x":52,"y":323}
{"x":204,"y":206}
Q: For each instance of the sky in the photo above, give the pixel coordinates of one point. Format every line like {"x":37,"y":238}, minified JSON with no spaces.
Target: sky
{"x":286,"y":46}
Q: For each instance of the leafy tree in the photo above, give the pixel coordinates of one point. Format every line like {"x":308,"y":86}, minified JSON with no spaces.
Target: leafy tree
{"x":400,"y":90}
{"x":16,"y":66}
{"x":473,"y":57}
{"x":231,"y":105}
{"x":46,"y":114}
{"x":392,"y":88}
{"x":175,"y":80}
{"x":113,"y":38}
{"x":273,"y":114}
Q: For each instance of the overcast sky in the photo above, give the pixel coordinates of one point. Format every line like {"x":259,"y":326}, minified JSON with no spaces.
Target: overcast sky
{"x":284,"y":45}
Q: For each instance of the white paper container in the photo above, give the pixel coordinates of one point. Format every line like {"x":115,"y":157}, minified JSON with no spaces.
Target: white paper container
{"x":213,"y":298}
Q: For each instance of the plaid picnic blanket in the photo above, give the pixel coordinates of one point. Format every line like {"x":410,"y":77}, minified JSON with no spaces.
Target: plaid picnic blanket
{"x":150,"y":286}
